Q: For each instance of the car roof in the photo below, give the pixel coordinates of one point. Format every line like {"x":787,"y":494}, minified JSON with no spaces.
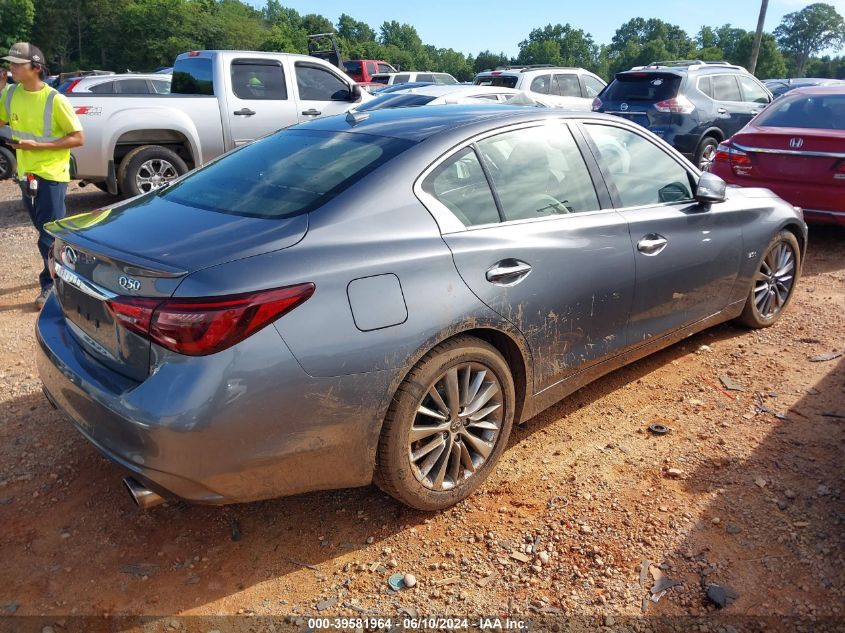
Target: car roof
{"x":522,"y":70}
{"x":835,"y":89}
{"x":420,"y":123}
{"x":106,"y":78}
{"x":443,"y":90}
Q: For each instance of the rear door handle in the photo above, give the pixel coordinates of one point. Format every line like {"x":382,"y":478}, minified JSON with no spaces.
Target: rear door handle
{"x":311,"y":112}
{"x":508,"y":272}
{"x":244,"y":112}
{"x":652,"y":244}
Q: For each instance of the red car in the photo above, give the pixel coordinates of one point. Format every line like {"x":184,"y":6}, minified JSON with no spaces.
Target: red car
{"x":796,"y":148}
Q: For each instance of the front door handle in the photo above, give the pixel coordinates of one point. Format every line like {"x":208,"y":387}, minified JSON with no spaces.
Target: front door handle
{"x":721,"y":111}
{"x":508,"y":272}
{"x":652,"y":244}
{"x":311,"y":112}
{"x":244,"y":112}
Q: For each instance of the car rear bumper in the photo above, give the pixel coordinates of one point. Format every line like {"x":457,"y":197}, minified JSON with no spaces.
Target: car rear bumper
{"x":244,"y":424}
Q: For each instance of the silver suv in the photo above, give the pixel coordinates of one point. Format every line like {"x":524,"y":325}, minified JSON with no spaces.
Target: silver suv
{"x":571,"y":88}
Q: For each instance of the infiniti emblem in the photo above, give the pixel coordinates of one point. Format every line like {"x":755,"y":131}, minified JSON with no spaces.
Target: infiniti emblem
{"x":623,"y":107}
{"x":796,"y":142}
{"x":69,"y":257}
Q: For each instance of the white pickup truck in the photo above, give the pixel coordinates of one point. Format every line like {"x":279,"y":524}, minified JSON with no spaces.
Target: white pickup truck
{"x":219,"y":100}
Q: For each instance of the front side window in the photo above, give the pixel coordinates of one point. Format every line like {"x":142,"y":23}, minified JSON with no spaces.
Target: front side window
{"x":445,"y":79}
{"x":459,"y":184}
{"x":386,"y":68}
{"x":318,"y":84}
{"x":291,"y":172}
{"x":259,"y":81}
{"x":752,"y":91}
{"x":542,"y":84}
{"x":161,"y":86}
{"x":537,"y":172}
{"x":725,"y":88}
{"x":643,"y":173}
{"x":566,"y":86}
{"x":593,"y":86}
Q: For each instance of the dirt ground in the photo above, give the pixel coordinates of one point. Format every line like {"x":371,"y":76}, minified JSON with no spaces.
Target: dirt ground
{"x":586,"y":512}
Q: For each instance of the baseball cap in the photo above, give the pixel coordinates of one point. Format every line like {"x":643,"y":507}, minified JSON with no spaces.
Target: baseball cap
{"x":23,"y":52}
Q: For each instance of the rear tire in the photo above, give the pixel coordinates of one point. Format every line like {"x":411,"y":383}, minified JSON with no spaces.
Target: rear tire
{"x":147,"y":168}
{"x":705,"y":153}
{"x":774,"y":282}
{"x":8,"y":163}
{"x":469,"y":379}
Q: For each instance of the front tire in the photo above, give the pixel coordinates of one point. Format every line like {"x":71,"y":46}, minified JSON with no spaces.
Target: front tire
{"x":706,"y":153}
{"x":774,"y":282}
{"x":447,"y":426}
{"x":148,"y":168}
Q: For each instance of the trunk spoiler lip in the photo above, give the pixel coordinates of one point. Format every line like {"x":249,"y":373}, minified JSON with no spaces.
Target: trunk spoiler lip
{"x":128,"y":263}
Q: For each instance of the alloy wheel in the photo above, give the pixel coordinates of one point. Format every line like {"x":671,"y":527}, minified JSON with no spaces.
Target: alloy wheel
{"x":774,"y":280}
{"x":154,"y":174}
{"x":456,"y":427}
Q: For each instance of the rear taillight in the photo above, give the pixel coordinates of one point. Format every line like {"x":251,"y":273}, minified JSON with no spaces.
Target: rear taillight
{"x":738,"y":160}
{"x":597,"y":104}
{"x":198,"y":327}
{"x":678,"y":105}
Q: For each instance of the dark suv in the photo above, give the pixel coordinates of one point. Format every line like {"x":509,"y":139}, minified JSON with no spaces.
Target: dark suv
{"x":691,"y":104}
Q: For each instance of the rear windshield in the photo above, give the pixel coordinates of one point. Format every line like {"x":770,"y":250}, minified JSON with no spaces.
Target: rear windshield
{"x":395,"y":100}
{"x":500,"y":81}
{"x":288,"y":173}
{"x":821,"y":112}
{"x":193,"y":76}
{"x":642,"y":87}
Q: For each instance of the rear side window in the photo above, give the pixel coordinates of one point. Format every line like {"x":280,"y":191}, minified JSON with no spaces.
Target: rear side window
{"x":459,"y":184}
{"x":566,"y":86}
{"x":253,"y":79}
{"x":651,"y":87}
{"x":705,"y":85}
{"x":132,"y":87}
{"x":445,"y":79}
{"x":288,"y":173}
{"x":642,"y":172}
{"x":193,"y":76}
{"x":539,"y":172}
{"x":105,"y":88}
{"x":402,"y":79}
{"x":820,"y":112}
{"x":725,"y":88}
{"x":318,"y":84}
{"x":426,"y":77}
{"x":542,"y":84}
{"x":500,"y":81}
{"x":593,"y":86}
{"x":752,"y":91}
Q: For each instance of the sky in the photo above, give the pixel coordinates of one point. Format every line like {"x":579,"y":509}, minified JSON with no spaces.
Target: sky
{"x":498,"y":25}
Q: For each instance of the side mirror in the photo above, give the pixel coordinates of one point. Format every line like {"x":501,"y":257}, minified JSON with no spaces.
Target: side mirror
{"x":355,"y":93}
{"x":710,"y":189}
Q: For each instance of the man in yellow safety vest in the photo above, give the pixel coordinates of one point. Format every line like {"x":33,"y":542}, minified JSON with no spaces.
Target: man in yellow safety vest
{"x":42,"y":128}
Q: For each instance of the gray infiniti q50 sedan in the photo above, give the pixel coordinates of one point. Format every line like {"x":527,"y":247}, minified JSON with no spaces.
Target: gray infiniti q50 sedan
{"x":380,"y":297}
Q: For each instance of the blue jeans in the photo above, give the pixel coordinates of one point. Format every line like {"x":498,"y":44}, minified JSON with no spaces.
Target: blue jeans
{"x":48,"y":205}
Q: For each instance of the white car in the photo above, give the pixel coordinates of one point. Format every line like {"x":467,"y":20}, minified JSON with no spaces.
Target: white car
{"x":570,"y":88}
{"x":439,"y":95}
{"x":128,"y":84}
{"x":389,"y":79}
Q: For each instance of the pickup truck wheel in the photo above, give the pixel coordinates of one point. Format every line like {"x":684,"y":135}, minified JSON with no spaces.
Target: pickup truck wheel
{"x":147,"y":168}
{"x":8,"y":164}
{"x":447,"y":425}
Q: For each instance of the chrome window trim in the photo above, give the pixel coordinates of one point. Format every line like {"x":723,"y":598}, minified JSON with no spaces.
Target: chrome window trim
{"x":448,"y":221}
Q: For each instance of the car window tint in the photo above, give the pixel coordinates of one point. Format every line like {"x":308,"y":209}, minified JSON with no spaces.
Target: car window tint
{"x":538,"y":172}
{"x":105,"y":88}
{"x":161,"y":87}
{"x":500,"y":81}
{"x":705,"y":85}
{"x":285,"y":174}
{"x":566,"y":86}
{"x":541,"y":84}
{"x":443,"y":78}
{"x":132,"y":87}
{"x":427,"y":77}
{"x":593,"y":86}
{"x":725,"y":88}
{"x":261,"y":81}
{"x":821,"y":112}
{"x":193,"y":76}
{"x":752,"y":91}
{"x":643,"y":173}
{"x":371,"y":68}
{"x":459,"y":184}
{"x":318,"y":84}
{"x":402,"y":79}
{"x":384,"y":68}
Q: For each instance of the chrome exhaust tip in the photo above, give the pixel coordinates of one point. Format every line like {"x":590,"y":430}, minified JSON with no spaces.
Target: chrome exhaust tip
{"x":143,"y":497}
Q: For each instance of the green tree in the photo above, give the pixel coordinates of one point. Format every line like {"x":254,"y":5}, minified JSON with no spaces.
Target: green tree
{"x":354,"y":31}
{"x":403,"y":36}
{"x":640,"y":41}
{"x":488,"y":60}
{"x":16,"y":18}
{"x":561,"y":45}
{"x":809,"y":31}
